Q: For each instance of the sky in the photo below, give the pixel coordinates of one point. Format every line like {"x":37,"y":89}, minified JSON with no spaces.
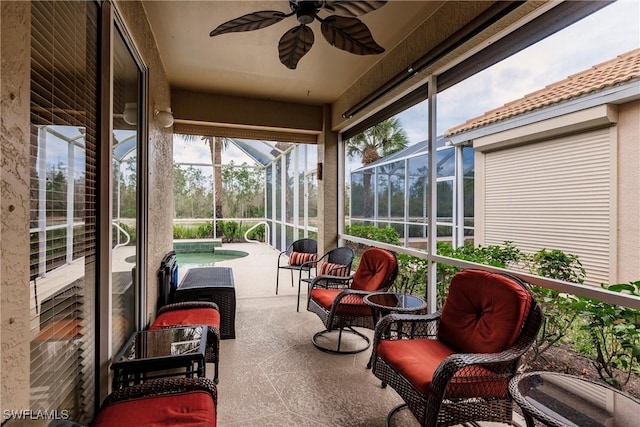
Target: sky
{"x":599,"y":37}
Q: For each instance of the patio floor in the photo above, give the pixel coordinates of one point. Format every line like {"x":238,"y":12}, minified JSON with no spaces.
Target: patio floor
{"x":272,"y":375}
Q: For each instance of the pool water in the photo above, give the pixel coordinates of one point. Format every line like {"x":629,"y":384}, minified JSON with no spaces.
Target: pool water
{"x":202,"y":259}
{"x":207,"y":259}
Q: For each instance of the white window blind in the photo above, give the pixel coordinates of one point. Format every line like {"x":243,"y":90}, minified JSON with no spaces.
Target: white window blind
{"x":64,"y":99}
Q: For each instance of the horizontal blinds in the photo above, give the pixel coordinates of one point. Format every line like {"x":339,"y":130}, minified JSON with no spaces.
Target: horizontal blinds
{"x":554,"y":195}
{"x":64,"y":99}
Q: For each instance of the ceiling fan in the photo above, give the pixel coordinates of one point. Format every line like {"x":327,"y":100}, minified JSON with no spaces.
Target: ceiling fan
{"x":342,"y":30}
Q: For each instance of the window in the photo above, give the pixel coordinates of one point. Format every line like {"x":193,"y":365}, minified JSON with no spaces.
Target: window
{"x":64,"y":100}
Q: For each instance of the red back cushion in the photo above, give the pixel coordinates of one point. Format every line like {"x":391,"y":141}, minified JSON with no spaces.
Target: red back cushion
{"x":334,"y":269}
{"x":299,"y":258}
{"x":376,"y":268}
{"x":483,"y":313}
{"x":194,"y":408}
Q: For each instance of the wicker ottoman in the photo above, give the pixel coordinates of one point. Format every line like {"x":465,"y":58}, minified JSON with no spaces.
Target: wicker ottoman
{"x":214,"y":284}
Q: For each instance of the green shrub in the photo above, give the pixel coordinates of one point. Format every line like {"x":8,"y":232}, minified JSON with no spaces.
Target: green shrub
{"x":257,"y":233}
{"x":379,"y":234}
{"x":614,"y":336}
{"x":561,"y":310}
{"x":204,"y":231}
{"x":232,"y":230}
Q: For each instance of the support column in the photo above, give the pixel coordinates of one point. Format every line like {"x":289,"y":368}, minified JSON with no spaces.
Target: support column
{"x":327,"y":185}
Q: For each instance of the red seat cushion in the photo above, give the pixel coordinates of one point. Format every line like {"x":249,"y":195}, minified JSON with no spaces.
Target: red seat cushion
{"x":192,"y":409}
{"x":334,"y":269}
{"x":187,"y":316}
{"x":375,"y":268}
{"x":352,"y":305}
{"x":299,"y":258}
{"x":484,"y":312}
{"x":417,"y":360}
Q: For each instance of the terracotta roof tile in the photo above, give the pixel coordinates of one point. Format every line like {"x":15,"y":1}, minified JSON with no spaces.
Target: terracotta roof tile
{"x":621,"y":69}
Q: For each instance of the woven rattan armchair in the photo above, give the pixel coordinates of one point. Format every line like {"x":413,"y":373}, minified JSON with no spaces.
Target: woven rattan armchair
{"x":166,"y":401}
{"x":190,"y":313}
{"x":300,"y":256}
{"x":338,"y":301}
{"x":336,"y":262}
{"x":454,"y":367}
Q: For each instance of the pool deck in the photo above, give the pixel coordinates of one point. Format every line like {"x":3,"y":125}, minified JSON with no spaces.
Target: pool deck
{"x":271,"y":374}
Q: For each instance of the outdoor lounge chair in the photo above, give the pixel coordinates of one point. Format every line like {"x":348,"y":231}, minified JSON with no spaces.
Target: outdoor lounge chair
{"x":338,"y":301}
{"x":454,"y":367}
{"x":336,"y":262}
{"x":161,"y":402}
{"x":301,"y":256}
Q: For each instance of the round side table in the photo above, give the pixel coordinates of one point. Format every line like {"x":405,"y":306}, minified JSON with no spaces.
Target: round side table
{"x":560,"y":400}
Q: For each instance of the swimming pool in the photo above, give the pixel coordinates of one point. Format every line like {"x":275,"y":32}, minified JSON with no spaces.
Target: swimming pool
{"x":207,"y":259}
{"x":202,"y":259}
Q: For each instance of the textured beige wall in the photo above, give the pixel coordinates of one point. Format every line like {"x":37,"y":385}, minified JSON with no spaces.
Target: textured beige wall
{"x":160,"y":158}
{"x":628,"y":233}
{"x":15,"y":26}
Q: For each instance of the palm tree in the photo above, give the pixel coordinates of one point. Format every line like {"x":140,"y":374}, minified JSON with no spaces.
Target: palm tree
{"x":381,"y":139}
{"x":216,"y":145}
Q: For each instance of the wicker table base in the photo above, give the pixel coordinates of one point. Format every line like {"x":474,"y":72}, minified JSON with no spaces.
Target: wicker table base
{"x":214,"y":284}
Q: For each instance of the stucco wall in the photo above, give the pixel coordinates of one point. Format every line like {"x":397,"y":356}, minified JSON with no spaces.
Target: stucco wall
{"x":160,"y":159}
{"x":15,"y":25}
{"x":628,"y":268}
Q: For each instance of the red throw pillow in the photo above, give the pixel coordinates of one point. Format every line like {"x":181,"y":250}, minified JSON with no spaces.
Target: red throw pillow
{"x":299,"y":258}
{"x":332,"y":269}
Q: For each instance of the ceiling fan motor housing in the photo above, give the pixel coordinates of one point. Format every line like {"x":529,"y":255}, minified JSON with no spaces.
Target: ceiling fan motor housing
{"x":306,"y":11}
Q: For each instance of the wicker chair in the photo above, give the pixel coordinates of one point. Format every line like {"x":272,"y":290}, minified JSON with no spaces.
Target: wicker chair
{"x":454,"y":367}
{"x":166,"y":401}
{"x":171,"y":315}
{"x":300,"y":256}
{"x":336,"y":262}
{"x":338,"y":301}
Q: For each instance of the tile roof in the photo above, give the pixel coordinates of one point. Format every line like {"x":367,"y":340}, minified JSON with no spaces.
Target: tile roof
{"x":621,"y":69}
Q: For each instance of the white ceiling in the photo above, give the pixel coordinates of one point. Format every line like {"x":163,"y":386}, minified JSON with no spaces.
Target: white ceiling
{"x":247,"y":63}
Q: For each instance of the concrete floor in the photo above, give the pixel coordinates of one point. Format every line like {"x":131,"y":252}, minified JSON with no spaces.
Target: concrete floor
{"x":272,"y":375}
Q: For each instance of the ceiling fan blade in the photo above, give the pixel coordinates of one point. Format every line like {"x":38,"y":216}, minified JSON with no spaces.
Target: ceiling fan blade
{"x":353,"y":8}
{"x":250,"y":22}
{"x":295,"y":44}
{"x":350,"y":34}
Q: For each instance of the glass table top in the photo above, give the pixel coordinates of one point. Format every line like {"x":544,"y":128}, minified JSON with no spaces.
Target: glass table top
{"x":170,"y":342}
{"x":559,"y":399}
{"x":395,"y":302}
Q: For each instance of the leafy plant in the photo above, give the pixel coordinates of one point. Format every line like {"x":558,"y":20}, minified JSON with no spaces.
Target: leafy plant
{"x":257,"y":233}
{"x":615,"y":336}
{"x":232,"y":230}
{"x":371,"y":232}
{"x":561,"y":310}
{"x":412,"y":275}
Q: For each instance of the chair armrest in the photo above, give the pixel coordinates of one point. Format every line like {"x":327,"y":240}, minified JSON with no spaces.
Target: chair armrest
{"x":499,"y":367}
{"x":163,"y":386}
{"x":187,"y":305}
{"x":330,"y":282}
{"x":406,"y":326}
